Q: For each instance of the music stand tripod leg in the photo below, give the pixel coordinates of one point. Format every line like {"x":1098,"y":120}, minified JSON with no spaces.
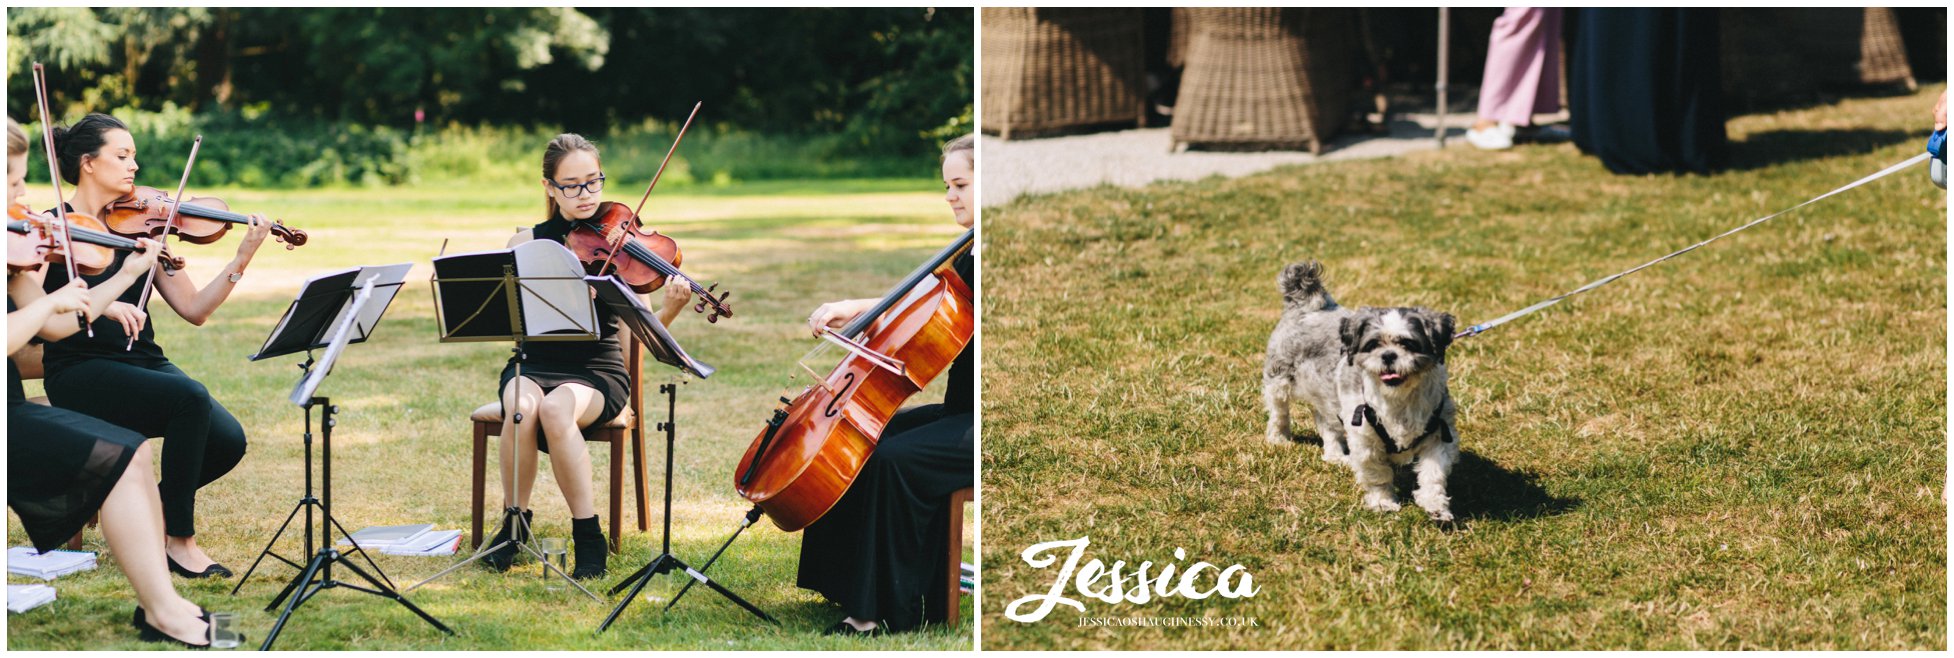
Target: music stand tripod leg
{"x":306,"y":503}
{"x":267,"y":552}
{"x":388,"y":592}
{"x":752,"y":516}
{"x":666,"y":562}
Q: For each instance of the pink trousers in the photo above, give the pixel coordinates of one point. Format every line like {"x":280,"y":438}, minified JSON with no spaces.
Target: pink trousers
{"x":1522,"y":66}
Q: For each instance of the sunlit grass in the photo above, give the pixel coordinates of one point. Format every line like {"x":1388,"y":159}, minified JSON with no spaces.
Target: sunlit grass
{"x":1742,"y":448}
{"x":402,"y":443}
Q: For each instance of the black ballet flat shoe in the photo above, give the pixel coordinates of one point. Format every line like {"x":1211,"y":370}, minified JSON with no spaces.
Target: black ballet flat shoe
{"x":215,"y":570}
{"x":148,"y":633}
{"x":513,"y":533}
{"x":844,"y":629}
{"x":593,"y":550}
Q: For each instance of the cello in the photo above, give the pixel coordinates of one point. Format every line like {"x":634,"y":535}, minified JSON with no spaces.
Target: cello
{"x":812,"y":449}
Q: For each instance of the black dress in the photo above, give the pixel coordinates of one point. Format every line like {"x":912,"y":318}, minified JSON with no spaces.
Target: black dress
{"x":60,"y":464}
{"x":1645,"y":89}
{"x":137,"y":388}
{"x":598,"y":364}
{"x":880,"y":551}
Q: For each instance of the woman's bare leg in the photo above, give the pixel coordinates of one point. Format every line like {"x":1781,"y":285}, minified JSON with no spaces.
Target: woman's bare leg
{"x":132,"y":522}
{"x":565,"y":412}
{"x":517,"y":449}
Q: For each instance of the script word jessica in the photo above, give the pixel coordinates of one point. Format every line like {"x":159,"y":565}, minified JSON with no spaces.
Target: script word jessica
{"x":1233,"y":582}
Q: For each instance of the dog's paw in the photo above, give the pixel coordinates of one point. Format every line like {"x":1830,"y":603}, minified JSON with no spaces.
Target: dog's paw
{"x":1440,"y":515}
{"x":1276,"y":438}
{"x":1381,"y":503}
{"x":1332,"y":455}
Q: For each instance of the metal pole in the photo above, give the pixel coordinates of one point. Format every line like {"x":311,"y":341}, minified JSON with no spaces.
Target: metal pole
{"x":1444,"y":66}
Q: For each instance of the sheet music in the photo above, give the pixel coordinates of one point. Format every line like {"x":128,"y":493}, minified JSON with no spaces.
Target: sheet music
{"x":550,"y":305}
{"x":342,"y":332}
{"x":555,"y":302}
{"x":644,"y":324}
{"x":329,"y":295}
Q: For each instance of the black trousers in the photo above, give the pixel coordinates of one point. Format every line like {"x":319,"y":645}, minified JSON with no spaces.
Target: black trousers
{"x":201,"y":440}
{"x":880,"y":552}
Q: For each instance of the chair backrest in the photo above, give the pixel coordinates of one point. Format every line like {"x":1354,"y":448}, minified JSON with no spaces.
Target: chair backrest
{"x":634,"y":363}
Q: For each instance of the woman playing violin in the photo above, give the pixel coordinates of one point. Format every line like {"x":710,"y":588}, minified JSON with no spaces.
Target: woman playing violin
{"x":134,"y":385}
{"x":879,"y":552}
{"x":62,"y":466}
{"x":565,"y":386}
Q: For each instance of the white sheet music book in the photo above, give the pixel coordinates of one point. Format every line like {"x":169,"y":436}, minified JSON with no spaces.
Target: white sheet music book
{"x":550,"y":304}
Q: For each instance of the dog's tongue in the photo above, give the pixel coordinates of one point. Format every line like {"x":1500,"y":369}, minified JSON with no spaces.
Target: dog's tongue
{"x":1391,"y":377}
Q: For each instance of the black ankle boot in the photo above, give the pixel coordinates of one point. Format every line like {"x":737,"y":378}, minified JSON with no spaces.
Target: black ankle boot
{"x":511,"y":532}
{"x":592,"y":549}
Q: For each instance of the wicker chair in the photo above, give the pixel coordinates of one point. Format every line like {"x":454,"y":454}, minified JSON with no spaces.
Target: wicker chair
{"x":1265,"y":77}
{"x":1778,"y":56}
{"x":1058,"y":69}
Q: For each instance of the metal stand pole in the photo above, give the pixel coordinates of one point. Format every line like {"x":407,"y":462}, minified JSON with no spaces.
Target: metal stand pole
{"x":666,"y":562}
{"x":316,"y":576}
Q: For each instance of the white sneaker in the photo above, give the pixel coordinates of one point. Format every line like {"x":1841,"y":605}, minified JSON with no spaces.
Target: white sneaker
{"x":1499,"y":137}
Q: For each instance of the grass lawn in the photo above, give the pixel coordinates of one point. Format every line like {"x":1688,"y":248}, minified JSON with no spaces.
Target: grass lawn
{"x":1742,"y":448}
{"x":401,"y":448}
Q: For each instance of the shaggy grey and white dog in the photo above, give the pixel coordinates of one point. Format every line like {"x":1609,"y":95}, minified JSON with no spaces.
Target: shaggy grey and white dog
{"x":1375,"y":379}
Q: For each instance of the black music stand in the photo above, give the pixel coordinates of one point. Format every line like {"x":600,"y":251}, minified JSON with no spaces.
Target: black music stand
{"x":532,"y":292}
{"x":651,"y":333}
{"x":330,"y":312}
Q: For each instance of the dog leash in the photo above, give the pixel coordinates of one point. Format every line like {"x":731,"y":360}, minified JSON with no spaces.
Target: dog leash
{"x":1477,"y":329}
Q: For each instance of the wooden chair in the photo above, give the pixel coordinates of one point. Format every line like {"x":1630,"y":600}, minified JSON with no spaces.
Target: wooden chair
{"x":955,"y":588}
{"x":617,"y":431}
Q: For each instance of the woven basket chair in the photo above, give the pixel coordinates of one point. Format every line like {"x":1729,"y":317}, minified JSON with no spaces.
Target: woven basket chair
{"x":1265,"y":77}
{"x":1780,"y":56}
{"x":1060,"y":69}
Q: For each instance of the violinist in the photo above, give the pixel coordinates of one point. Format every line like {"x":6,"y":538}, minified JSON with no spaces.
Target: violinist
{"x":565,"y":386}
{"x":63,"y":467}
{"x":134,"y":385}
{"x":879,"y":552}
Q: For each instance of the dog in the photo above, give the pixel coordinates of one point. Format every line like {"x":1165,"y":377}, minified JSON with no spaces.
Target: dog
{"x":1375,"y":380}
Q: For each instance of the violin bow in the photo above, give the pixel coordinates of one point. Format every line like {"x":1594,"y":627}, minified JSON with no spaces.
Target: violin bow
{"x":618,"y":240}
{"x":65,"y":243}
{"x":169,"y":226}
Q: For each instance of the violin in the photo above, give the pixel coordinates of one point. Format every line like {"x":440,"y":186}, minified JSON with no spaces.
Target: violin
{"x":31,"y":242}
{"x":614,"y":239}
{"x":812,"y":449}
{"x":145,"y":213}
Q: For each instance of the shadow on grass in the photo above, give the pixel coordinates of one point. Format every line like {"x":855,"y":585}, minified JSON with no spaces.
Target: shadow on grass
{"x":1778,"y":147}
{"x":1484,"y":490}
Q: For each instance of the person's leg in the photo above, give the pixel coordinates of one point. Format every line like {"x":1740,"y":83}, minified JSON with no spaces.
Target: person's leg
{"x":516,"y":455}
{"x":132,"y":519}
{"x":516,"y":452}
{"x":151,"y":402}
{"x":564,"y":413}
{"x":223,"y":449}
{"x":1517,"y":56}
{"x":902,"y":487}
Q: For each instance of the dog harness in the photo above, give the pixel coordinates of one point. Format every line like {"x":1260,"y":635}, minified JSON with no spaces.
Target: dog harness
{"x":1365,"y":414}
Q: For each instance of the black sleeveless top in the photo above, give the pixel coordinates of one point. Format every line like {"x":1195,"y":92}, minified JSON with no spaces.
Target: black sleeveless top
{"x":605,"y":353}
{"x":109,"y":338}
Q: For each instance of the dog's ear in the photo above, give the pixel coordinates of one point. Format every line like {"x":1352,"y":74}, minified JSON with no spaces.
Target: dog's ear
{"x":1442,"y":341}
{"x":1350,"y":331}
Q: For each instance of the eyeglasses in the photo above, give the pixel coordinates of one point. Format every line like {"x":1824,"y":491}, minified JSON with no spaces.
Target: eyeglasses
{"x":573,"y":191}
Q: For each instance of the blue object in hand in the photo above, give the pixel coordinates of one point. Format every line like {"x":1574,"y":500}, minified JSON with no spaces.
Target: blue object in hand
{"x":1937,"y":167}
